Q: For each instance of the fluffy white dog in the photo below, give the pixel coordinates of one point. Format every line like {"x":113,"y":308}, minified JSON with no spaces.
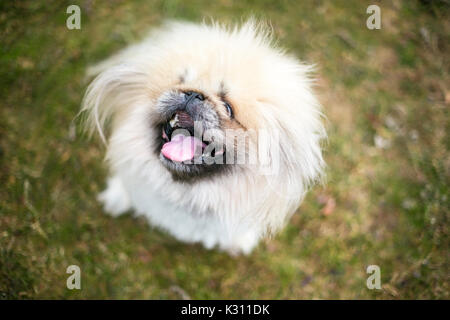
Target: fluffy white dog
{"x":213,"y":133}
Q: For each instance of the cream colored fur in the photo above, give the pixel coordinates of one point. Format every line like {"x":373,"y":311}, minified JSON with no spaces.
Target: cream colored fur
{"x":268,"y":89}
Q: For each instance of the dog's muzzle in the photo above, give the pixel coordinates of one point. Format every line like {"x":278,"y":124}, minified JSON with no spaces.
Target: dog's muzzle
{"x":190,"y":134}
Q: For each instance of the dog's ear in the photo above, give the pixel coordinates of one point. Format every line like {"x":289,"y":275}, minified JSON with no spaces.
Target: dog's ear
{"x":114,"y":89}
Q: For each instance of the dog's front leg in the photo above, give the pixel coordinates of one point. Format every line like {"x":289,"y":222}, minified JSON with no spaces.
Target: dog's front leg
{"x":115,"y":198}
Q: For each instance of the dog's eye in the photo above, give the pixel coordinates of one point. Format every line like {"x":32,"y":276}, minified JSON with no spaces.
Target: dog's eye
{"x":229,"y":109}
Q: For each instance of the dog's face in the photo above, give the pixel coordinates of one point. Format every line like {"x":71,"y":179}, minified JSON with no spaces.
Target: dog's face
{"x":181,"y":100}
{"x":210,"y":93}
{"x":199,"y":116}
{"x":190,"y":128}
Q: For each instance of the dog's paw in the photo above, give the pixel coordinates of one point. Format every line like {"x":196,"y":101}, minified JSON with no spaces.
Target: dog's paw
{"x":115,"y":199}
{"x":242,"y":245}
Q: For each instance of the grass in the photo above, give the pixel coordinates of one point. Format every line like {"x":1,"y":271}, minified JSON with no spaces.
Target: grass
{"x":386,"y":202}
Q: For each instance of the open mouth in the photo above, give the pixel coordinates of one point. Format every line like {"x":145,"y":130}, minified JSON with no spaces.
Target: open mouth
{"x":183,"y":144}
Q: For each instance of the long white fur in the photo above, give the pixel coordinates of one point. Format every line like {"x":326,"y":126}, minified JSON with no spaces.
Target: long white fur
{"x":231,"y":211}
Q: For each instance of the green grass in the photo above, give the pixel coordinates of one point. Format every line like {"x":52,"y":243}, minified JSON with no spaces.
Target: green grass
{"x":391,"y":198}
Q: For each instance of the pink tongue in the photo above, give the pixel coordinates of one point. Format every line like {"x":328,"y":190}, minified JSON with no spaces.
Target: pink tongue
{"x":182,"y":148}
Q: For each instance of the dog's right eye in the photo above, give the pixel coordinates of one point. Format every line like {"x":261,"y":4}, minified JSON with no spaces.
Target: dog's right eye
{"x":229,"y":109}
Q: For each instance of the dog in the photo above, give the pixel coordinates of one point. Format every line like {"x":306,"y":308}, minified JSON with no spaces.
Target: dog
{"x":172,"y":111}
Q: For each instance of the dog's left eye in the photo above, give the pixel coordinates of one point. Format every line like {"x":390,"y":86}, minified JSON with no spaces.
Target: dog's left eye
{"x":229,"y":109}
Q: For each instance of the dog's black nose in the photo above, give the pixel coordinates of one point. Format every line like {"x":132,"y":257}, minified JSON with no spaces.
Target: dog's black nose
{"x":193,"y":103}
{"x":191,"y":95}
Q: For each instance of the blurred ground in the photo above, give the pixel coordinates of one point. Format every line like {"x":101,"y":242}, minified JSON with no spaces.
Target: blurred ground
{"x":386,"y":95}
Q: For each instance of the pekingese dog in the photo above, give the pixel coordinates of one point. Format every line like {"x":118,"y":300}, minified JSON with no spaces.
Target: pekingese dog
{"x":212,"y":132}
